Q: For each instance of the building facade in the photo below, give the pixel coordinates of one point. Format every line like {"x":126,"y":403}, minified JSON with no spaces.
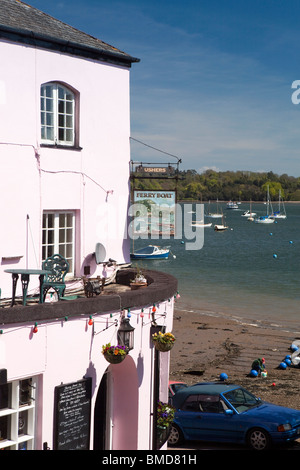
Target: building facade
{"x":64,"y":148}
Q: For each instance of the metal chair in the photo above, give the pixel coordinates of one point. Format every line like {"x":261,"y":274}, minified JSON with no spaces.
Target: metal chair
{"x":58,"y":267}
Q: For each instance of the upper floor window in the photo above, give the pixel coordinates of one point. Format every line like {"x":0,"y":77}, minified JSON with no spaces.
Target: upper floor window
{"x":57,"y":115}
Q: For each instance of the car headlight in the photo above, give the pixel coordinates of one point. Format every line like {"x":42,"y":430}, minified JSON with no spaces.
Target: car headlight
{"x":284,"y":427}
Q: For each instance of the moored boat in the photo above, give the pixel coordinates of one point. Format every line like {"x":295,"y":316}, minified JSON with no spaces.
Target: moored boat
{"x":220,"y":227}
{"x":279,"y":214}
{"x":232,"y":205}
{"x":266,"y":219}
{"x":200,"y":224}
{"x":151,"y":252}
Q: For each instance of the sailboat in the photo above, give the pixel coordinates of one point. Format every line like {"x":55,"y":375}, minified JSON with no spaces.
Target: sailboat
{"x":265,"y":219}
{"x":215,"y":215}
{"x":249,"y":214}
{"x":200,"y":223}
{"x":220,"y":227}
{"x":278,"y":214}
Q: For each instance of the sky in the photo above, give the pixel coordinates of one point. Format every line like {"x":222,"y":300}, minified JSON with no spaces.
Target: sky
{"x":214,"y":85}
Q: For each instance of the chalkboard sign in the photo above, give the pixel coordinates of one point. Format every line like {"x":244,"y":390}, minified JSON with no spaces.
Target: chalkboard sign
{"x":72,"y":415}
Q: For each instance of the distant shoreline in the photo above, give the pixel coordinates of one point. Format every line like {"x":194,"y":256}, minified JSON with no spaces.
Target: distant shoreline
{"x":225,"y":202}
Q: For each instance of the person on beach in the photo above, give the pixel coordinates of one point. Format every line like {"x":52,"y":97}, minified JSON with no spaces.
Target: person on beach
{"x":258,"y":365}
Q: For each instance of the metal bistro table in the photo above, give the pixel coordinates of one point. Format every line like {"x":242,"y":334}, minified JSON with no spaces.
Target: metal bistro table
{"x":25,"y":274}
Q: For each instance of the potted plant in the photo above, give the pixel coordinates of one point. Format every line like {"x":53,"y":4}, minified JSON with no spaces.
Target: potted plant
{"x":163,"y":341}
{"x":165,"y":417}
{"x":138,"y":281}
{"x":114,"y":354}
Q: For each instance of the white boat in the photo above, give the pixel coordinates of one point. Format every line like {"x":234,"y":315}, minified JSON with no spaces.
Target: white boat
{"x":220,"y":227}
{"x":232,"y":205}
{"x":279,"y":214}
{"x":151,"y":252}
{"x":200,"y":224}
{"x":249,"y":214}
{"x":215,"y":215}
{"x":265,"y":219}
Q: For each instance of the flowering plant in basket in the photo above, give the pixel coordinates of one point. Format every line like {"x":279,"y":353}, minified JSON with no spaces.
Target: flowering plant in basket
{"x":109,"y":350}
{"x":163,"y":341}
{"x":165,"y":414}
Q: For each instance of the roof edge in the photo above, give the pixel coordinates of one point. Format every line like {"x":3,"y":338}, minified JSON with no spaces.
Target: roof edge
{"x":69,"y":47}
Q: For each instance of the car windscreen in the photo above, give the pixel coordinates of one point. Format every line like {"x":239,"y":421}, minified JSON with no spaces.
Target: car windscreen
{"x":241,"y":399}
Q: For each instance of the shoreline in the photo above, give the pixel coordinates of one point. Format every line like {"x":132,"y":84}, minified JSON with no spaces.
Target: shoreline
{"x":243,"y":316}
{"x":208,"y":344}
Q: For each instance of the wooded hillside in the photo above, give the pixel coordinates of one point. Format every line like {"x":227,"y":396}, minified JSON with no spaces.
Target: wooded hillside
{"x":225,"y":186}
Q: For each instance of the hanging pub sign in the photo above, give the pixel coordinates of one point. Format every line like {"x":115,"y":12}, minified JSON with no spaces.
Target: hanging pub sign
{"x":72,"y":415}
{"x":154,"y":172}
{"x":154,"y":213}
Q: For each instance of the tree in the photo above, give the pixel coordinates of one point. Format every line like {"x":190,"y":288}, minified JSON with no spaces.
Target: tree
{"x":274,"y":188}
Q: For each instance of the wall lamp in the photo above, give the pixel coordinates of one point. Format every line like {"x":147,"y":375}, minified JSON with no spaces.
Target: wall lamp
{"x":126,"y":335}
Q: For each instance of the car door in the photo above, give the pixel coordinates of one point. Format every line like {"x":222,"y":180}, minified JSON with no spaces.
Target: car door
{"x":204,"y":417}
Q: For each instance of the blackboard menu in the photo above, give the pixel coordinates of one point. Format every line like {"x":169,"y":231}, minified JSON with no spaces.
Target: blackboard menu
{"x":72,"y":415}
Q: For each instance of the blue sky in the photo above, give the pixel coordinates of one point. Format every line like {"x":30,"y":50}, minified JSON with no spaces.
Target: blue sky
{"x":214,"y":81}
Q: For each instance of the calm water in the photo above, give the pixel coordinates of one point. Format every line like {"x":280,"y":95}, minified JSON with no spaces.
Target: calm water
{"x":250,"y":271}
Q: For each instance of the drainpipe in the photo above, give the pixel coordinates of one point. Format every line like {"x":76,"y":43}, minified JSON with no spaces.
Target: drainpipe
{"x":155,"y":397}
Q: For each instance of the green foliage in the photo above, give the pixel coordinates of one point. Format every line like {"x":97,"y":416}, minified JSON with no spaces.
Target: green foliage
{"x":226,"y":185}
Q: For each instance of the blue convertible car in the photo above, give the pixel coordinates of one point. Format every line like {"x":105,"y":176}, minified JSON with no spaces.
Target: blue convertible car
{"x":223,"y":412}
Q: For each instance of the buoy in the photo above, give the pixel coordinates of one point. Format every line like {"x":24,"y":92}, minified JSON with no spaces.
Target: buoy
{"x":223,"y":376}
{"x":274,"y":256}
{"x":282,"y":365}
{"x":271,"y":233}
{"x":253,"y":373}
{"x":291,"y":242}
{"x":288,"y":362}
{"x":288,"y":357}
{"x":293,"y":347}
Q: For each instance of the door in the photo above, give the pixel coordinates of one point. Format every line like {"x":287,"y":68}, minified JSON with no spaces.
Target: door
{"x":102,"y":416}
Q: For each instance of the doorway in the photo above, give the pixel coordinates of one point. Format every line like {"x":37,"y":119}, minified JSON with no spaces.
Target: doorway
{"x":116,"y":408}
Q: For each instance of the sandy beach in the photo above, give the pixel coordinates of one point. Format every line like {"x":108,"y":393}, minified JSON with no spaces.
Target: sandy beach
{"x":208,"y":345}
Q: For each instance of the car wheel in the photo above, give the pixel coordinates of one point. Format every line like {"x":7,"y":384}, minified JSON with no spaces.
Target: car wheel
{"x":258,"y":439}
{"x":176,"y":436}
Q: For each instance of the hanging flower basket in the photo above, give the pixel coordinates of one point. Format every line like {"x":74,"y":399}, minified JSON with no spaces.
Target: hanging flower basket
{"x":114,"y":354}
{"x":163,"y":342}
{"x":165,"y":417}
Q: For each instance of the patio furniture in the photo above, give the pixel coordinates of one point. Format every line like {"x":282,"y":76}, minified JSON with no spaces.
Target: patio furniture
{"x":25,"y":275}
{"x":56,"y":267}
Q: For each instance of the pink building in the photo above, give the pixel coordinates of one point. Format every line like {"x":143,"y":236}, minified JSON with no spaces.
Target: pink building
{"x":64,"y":147}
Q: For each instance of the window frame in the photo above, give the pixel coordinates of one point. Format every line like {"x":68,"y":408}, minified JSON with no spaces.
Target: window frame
{"x":55,"y":241}
{"x":51,"y":114}
{"x":16,"y":440}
